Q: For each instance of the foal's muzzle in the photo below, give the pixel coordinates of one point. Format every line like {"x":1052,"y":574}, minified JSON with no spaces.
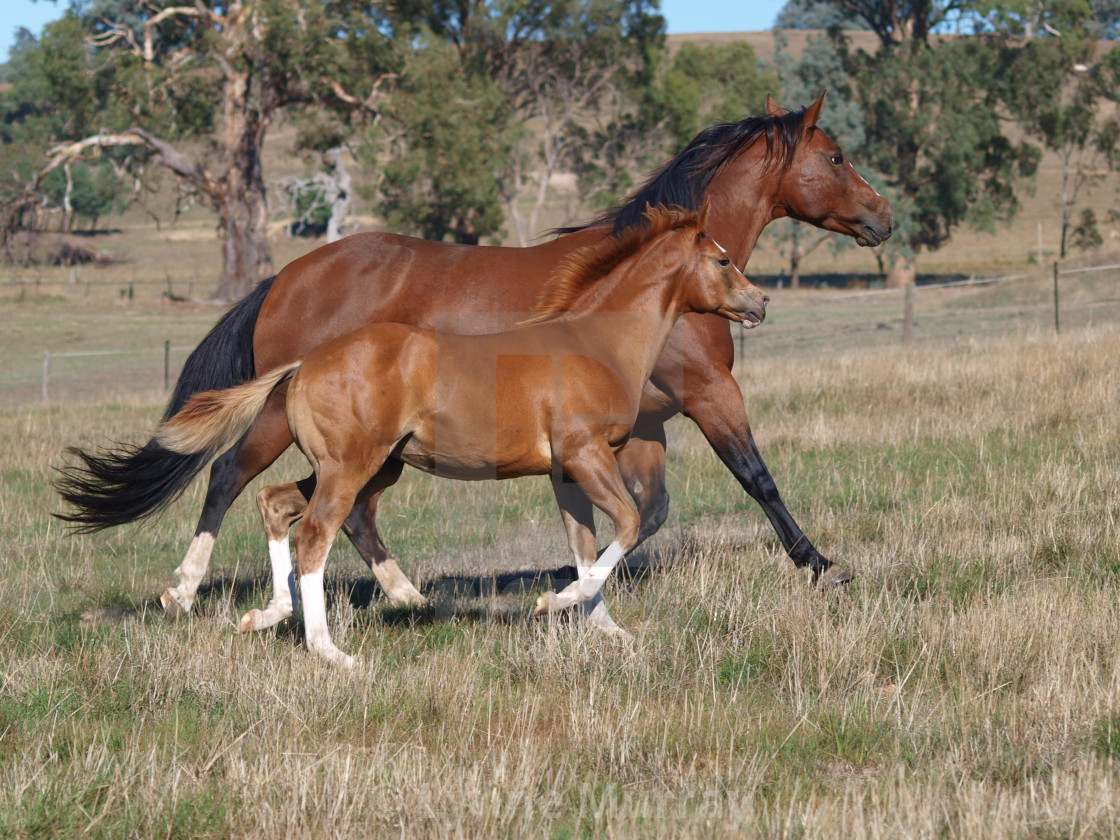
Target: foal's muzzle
{"x":747,"y":306}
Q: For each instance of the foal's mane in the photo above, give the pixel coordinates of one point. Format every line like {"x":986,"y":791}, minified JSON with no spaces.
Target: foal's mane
{"x":683,"y":181}
{"x":585,"y":266}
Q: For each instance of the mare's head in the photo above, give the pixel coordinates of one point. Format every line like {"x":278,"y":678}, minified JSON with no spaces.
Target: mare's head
{"x":819,"y":185}
{"x":669,"y":249}
{"x":760,"y":169}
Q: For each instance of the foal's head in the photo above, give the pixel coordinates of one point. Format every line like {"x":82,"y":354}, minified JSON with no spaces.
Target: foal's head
{"x":716,"y":285}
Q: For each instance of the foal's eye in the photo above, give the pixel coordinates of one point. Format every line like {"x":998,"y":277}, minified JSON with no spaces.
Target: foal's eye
{"x":725,"y":262}
{"x":837,"y":159}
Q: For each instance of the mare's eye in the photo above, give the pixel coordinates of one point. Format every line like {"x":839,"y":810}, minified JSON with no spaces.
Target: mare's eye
{"x":837,"y":159}
{"x":725,"y":262}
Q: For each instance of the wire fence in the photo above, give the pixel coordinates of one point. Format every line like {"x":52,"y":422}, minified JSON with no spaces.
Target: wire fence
{"x":799,"y":324}
{"x":973,"y":308}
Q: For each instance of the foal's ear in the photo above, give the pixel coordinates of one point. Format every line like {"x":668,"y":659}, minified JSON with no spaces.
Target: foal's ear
{"x":702,"y":216}
{"x":773,"y":109}
{"x":813,"y":112}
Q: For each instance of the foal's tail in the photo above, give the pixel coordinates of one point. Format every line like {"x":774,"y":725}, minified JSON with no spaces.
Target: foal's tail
{"x":212,"y":421}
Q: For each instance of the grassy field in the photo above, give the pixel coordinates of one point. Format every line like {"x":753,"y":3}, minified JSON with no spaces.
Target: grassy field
{"x":966,"y":685}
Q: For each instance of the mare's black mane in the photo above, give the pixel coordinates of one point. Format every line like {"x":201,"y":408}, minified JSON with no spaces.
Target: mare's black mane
{"x":683,"y":181}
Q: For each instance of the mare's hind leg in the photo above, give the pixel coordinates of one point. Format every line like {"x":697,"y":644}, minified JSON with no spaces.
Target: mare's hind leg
{"x":361,"y":528}
{"x":279,"y":506}
{"x":250,"y":456}
{"x":596,"y":473}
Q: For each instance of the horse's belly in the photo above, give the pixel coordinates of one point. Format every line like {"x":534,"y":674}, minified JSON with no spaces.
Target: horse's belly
{"x":466,"y":460}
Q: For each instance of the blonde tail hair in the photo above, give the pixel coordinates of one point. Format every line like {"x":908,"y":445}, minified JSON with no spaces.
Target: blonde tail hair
{"x":212,"y":421}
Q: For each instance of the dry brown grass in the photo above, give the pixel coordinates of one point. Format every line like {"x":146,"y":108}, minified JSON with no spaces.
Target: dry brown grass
{"x":965,"y":686}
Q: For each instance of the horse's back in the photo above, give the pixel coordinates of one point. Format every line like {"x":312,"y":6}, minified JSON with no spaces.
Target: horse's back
{"x":386,"y":277}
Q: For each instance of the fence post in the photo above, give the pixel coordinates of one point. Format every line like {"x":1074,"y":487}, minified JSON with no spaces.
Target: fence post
{"x":1057,"y":331}
{"x":908,"y":314}
{"x":46,"y":374}
{"x":166,"y":364}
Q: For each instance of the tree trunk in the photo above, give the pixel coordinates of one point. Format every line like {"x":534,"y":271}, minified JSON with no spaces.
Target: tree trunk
{"x":340,"y":201}
{"x":902,"y":272}
{"x":795,"y":257}
{"x":67,"y":208}
{"x":241,"y":201}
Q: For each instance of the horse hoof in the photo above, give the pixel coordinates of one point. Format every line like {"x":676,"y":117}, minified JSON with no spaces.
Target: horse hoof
{"x":834,"y":576}
{"x":613,"y":631}
{"x":544,"y":605}
{"x":410,"y":599}
{"x":249,"y":622}
{"x":172,"y":607}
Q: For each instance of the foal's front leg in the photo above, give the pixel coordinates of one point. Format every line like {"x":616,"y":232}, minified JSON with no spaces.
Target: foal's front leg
{"x":597,"y":480}
{"x":579,"y":524}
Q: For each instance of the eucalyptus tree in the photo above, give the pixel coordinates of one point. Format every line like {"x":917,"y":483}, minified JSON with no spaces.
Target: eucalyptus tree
{"x":498,"y":97}
{"x":935,"y":112}
{"x":195,"y":89}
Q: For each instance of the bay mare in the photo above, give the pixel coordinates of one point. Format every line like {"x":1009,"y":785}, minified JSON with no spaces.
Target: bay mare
{"x":556,"y":397}
{"x":753,"y":171}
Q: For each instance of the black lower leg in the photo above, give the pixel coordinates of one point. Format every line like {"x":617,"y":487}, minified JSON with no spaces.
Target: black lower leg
{"x":748,"y":467}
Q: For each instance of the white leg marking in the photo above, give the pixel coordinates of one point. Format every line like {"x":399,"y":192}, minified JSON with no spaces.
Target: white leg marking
{"x":177,"y":600}
{"x":398,"y":588}
{"x":586,"y":588}
{"x":592,"y":581}
{"x":315,"y":620}
{"x":280,"y":607}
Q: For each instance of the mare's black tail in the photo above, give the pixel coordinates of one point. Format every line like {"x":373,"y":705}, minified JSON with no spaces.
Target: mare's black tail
{"x":124,"y":483}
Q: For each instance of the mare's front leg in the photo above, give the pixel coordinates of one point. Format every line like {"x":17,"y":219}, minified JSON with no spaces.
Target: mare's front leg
{"x":700,"y":349}
{"x":642,"y":464}
{"x":229,"y":475}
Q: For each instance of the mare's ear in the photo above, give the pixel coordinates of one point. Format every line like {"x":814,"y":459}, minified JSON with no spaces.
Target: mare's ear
{"x":813,"y":112}
{"x":773,"y":108}
{"x":702,"y":216}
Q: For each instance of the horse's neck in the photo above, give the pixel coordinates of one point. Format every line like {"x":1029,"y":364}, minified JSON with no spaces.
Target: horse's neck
{"x":632,"y":313}
{"x":744,"y":200}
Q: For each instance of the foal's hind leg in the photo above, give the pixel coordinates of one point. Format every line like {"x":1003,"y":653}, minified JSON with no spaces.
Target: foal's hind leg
{"x":279,"y":506}
{"x":330,"y":504}
{"x":229,"y":474}
{"x":282,"y":505}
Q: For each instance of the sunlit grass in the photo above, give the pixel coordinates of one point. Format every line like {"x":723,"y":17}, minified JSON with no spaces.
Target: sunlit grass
{"x":965,"y":685}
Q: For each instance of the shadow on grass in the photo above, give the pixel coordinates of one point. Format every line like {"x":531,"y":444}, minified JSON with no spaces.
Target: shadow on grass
{"x":497,"y":597}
